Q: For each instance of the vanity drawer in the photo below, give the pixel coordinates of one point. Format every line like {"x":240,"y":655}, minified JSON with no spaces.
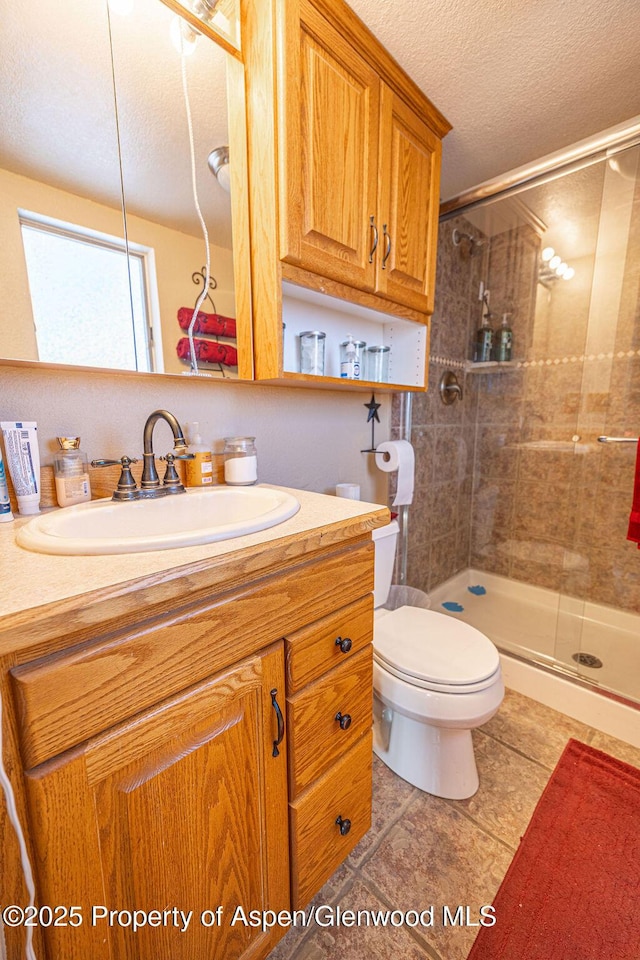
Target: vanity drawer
{"x":327,"y":643}
{"x":318,"y":845}
{"x":317,"y":735}
{"x":66,"y":697}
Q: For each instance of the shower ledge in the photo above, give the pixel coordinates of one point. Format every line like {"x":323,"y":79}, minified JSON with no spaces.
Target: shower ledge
{"x":490,"y":366}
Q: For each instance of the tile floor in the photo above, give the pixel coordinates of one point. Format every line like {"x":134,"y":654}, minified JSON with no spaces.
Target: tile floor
{"x":422,"y":851}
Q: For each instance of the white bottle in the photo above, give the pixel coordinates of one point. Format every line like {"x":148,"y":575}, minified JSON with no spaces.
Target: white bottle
{"x":199,"y":470}
{"x":71,"y":473}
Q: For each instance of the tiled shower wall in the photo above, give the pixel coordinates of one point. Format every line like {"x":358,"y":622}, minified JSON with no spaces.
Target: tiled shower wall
{"x":443,"y":436}
{"x":501,"y":484}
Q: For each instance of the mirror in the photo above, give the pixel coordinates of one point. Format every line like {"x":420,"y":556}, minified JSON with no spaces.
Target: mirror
{"x":102,"y":236}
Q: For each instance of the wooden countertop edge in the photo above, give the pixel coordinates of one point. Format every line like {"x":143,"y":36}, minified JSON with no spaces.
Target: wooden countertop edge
{"x":133,"y":600}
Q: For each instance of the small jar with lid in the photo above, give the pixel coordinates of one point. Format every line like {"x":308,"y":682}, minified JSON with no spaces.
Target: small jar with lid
{"x":312,"y":352}
{"x":71,"y":473}
{"x":378,"y":364}
{"x":240,"y":461}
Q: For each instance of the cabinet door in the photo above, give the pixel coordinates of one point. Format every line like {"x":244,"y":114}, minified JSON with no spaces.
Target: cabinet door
{"x":330,"y":155}
{"x":184,"y":808}
{"x":408,"y":213}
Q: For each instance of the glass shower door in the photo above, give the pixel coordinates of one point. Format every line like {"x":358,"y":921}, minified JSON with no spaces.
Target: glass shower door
{"x":599,"y":608}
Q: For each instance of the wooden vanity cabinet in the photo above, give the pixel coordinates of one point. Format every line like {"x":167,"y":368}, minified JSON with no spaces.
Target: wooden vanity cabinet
{"x":160,"y":768}
{"x":181,"y":806}
{"x":329,"y":718}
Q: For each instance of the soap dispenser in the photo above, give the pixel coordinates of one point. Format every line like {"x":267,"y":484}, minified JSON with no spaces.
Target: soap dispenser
{"x":504,"y":344}
{"x":199,"y":468}
{"x":484,"y":341}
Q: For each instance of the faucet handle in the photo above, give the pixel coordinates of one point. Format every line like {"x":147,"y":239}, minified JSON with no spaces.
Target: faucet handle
{"x":126,"y":489}
{"x":171,"y":481}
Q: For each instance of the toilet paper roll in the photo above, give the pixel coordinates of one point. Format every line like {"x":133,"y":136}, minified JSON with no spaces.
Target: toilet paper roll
{"x":350,"y":491}
{"x":401,"y":458}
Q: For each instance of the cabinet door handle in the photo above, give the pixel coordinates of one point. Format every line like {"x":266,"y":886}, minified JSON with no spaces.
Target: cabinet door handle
{"x":387,"y":251}
{"x":345,"y":825}
{"x":344,"y":643}
{"x":372,"y":222}
{"x":276,"y":707}
{"x":344,"y":719}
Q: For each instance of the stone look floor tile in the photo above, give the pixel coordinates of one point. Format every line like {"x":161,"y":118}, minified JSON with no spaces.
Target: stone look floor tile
{"x":510,"y":787}
{"x":436,"y":856}
{"x":362,"y":941}
{"x":424,"y":851}
{"x":535,"y":730}
{"x":616,"y":748}
{"x":390,"y":795}
{"x":291,"y":944}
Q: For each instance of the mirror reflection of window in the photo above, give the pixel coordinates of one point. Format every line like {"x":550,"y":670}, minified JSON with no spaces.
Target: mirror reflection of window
{"x":79,"y":283}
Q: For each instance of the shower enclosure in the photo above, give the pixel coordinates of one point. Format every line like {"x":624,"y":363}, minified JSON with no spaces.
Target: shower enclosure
{"x":553,"y":577}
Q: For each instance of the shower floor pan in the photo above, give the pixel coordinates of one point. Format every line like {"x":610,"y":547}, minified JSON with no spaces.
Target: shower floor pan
{"x":546,"y":626}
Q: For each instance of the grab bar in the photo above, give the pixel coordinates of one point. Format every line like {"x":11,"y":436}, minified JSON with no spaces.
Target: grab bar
{"x":617,"y":439}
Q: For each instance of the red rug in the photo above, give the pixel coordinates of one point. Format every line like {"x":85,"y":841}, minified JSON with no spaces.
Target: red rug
{"x":572,"y":891}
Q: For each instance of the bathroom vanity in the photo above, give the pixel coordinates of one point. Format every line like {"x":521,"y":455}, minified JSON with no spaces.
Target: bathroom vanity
{"x":188,"y":734}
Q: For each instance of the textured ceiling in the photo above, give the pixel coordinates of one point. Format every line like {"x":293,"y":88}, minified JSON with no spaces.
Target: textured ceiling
{"x":516,"y":79}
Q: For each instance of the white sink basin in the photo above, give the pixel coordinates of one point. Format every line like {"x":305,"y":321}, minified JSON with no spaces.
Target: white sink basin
{"x":179,"y":520}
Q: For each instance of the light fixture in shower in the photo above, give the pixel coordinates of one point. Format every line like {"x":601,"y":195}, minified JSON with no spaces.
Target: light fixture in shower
{"x":553,"y":267}
{"x":218,"y":161}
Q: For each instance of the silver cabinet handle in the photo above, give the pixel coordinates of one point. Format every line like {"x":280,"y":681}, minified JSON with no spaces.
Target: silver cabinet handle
{"x":372,"y":222}
{"x":387,"y":251}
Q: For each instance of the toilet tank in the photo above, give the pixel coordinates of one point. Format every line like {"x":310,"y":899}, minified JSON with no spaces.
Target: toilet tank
{"x":384,"y":541}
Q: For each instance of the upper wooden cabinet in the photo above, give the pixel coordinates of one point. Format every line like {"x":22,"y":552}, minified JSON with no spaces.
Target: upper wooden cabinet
{"x":330,"y":156}
{"x":345,"y":203}
{"x":361,"y":172}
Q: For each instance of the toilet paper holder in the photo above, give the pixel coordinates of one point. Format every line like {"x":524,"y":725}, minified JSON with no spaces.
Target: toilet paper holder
{"x":450,"y":389}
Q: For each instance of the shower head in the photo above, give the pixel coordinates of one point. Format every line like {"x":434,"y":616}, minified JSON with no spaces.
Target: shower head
{"x":467,"y":243}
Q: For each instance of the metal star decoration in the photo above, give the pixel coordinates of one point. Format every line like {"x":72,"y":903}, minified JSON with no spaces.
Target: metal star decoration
{"x":372,"y":407}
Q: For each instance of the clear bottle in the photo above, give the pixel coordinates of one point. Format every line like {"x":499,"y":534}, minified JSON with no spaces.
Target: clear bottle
{"x":484,"y":342}
{"x":504,"y":340}
{"x":71,"y":473}
{"x":240,"y":461}
{"x":199,"y":470}
{"x":351,"y":358}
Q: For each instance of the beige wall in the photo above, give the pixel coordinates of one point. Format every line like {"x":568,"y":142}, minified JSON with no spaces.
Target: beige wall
{"x":306,"y":438}
{"x":177,"y":256}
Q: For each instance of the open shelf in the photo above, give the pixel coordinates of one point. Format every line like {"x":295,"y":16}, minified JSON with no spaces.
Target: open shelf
{"x":304,"y":309}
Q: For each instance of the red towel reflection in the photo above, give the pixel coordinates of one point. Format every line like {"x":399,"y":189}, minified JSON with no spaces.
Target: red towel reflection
{"x":212,"y":323}
{"x":634,"y":519}
{"x":208,"y":351}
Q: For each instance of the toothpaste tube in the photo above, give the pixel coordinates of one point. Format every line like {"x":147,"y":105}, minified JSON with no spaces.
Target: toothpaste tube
{"x":23,"y":461}
{"x":5,"y":505}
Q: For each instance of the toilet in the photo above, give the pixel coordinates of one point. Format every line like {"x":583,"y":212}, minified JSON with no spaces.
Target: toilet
{"x":435,"y":679}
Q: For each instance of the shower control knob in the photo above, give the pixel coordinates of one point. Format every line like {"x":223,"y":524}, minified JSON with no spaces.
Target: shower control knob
{"x":345,"y":825}
{"x":344,"y":719}
{"x":344,"y":643}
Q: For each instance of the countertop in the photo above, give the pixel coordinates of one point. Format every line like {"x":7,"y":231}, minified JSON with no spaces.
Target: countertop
{"x":30,"y":583}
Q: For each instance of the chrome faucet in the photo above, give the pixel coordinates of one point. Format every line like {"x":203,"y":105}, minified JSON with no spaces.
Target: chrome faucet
{"x":150,"y":485}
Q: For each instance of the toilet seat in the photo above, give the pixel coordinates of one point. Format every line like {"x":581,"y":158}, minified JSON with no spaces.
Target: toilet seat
{"x":430,"y":650}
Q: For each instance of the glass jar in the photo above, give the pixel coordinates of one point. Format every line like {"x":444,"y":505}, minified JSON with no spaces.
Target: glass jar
{"x":71,"y":473}
{"x":312,"y":352}
{"x":378,"y":364}
{"x":352,"y":358}
{"x":240,"y":461}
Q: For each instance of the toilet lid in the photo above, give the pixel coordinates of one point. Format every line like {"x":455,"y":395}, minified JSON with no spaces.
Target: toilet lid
{"x":432,"y":648}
